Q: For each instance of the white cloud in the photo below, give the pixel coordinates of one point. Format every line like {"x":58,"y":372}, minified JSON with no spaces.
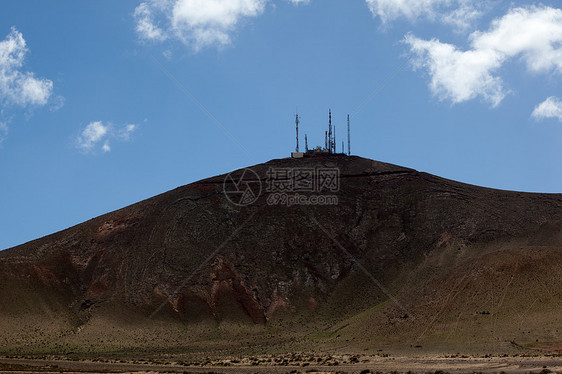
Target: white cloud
{"x":197,"y":23}
{"x":97,"y":133}
{"x":145,"y":24}
{"x":462,"y":17}
{"x":550,"y":108}
{"x":56,"y":103}
{"x":3,"y":131}
{"x":91,"y":135}
{"x":105,"y":147}
{"x":458,"y":75}
{"x":460,"y":13}
{"x":17,"y":87}
{"x":125,"y":132}
{"x":534,"y":34}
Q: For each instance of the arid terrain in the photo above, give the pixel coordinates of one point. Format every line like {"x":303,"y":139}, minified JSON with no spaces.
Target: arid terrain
{"x":407,"y":272}
{"x":295,"y":363}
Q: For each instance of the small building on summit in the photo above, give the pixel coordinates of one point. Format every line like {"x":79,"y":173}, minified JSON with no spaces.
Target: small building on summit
{"x":297,"y":154}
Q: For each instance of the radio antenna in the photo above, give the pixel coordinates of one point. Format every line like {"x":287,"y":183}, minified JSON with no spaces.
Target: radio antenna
{"x":297,"y":123}
{"x":348,"y":138}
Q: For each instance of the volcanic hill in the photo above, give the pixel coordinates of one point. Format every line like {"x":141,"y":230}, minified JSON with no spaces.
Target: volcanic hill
{"x":404,"y":260}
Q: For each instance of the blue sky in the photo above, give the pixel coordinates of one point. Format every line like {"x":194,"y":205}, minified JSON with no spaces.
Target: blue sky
{"x":106,"y":103}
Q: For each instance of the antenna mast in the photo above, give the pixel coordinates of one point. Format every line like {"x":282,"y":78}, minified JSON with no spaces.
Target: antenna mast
{"x":331,"y":145}
{"x":297,"y":123}
{"x":348,"y":138}
{"x":335,"y":139}
{"x":305,"y":143}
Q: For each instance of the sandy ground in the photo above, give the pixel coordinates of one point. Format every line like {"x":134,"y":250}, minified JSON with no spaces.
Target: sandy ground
{"x":366,"y":364}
